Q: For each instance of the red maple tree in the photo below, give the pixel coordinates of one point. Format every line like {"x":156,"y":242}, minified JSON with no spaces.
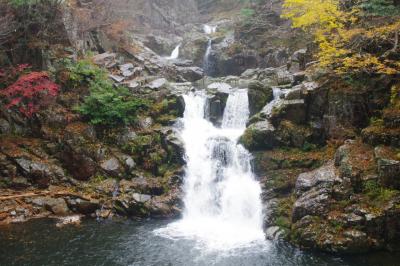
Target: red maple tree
{"x":30,"y":92}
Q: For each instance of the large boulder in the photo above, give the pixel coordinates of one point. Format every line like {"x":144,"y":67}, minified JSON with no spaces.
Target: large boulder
{"x":388,"y":167}
{"x":259,"y":95}
{"x":259,"y":136}
{"x":314,"y":190}
{"x":216,"y":104}
{"x":191,"y":74}
{"x":292,"y":110}
{"x":42,"y":173}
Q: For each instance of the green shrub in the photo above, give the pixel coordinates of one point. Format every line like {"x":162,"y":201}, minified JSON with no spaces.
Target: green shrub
{"x":378,"y":193}
{"x":109,"y":106}
{"x":247,"y":12}
{"x":82,"y":72}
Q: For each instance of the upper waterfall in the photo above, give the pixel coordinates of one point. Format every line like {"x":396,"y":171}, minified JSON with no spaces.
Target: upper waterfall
{"x":209,"y":29}
{"x":175,"y":52}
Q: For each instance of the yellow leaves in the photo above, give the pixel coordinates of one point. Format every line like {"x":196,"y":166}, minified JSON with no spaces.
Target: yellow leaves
{"x":367,"y":63}
{"x":311,"y":14}
{"x":345,"y":38}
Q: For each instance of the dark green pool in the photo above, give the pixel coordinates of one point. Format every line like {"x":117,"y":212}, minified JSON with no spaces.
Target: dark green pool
{"x":40,"y":242}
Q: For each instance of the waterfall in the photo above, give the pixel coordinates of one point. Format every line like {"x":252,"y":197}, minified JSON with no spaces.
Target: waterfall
{"x":278,"y":94}
{"x":207,"y":65}
{"x":222,"y":198}
{"x":209,"y":29}
{"x":175,"y":52}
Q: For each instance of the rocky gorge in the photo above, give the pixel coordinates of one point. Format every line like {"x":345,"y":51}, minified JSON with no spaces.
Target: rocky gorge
{"x":324,"y":148}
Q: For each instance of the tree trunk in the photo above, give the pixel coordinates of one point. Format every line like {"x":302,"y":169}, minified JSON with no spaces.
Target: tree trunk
{"x":396,"y":41}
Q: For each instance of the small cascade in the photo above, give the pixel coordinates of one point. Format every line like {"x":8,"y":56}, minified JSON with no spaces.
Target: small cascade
{"x":209,"y":29}
{"x":223,"y":208}
{"x":278,"y":94}
{"x":175,"y":53}
{"x":208,"y":65}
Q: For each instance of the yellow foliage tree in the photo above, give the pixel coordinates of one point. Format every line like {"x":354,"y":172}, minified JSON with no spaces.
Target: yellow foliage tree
{"x":343,"y":36}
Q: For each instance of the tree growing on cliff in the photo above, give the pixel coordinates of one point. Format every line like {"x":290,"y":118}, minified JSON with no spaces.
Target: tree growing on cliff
{"x":30,"y":93}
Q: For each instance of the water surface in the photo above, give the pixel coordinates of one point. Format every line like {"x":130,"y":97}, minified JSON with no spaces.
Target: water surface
{"x":40,"y":242}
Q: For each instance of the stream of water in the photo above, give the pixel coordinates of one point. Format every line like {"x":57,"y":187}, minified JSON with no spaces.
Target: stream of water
{"x":223,"y":208}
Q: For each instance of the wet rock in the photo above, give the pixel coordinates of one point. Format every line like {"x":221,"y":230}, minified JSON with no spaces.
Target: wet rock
{"x":69,"y":220}
{"x":191,"y":74}
{"x":177,"y":147}
{"x":215,"y":107}
{"x":83,"y":206}
{"x":259,"y":95}
{"x":57,"y":206}
{"x":273,"y":233}
{"x":259,"y":136}
{"x":220,"y":86}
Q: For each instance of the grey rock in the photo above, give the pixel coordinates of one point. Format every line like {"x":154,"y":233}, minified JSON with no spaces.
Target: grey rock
{"x":117,"y":78}
{"x":324,"y":177}
{"x":57,"y":206}
{"x":157,"y":84}
{"x":104,"y":58}
{"x":5,"y":127}
{"x":191,"y":74}
{"x":141,"y":198}
{"x":111,"y":166}
{"x":126,"y":67}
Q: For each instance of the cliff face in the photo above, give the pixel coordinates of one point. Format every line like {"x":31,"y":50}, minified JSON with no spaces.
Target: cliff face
{"x":157,"y":15}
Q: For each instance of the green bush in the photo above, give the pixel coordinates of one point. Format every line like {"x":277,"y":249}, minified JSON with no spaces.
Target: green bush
{"x":109,"y":106}
{"x":378,"y":193}
{"x":247,"y":12}
{"x":82,"y":72}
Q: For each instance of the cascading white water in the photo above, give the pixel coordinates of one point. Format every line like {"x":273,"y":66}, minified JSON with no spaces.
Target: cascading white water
{"x":278,"y":94}
{"x":206,"y":59}
{"x":222,"y":198}
{"x":175,"y":52}
{"x":209,"y":29}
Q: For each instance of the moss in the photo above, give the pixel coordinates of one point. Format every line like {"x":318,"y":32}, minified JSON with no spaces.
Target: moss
{"x":166,"y":119}
{"x":248,"y":138}
{"x":377,"y":194}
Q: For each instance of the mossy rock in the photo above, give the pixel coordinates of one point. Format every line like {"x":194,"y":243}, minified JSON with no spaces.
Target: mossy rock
{"x":259,"y":95}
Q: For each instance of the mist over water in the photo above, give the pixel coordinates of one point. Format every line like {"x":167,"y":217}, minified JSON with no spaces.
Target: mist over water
{"x":223,"y":208}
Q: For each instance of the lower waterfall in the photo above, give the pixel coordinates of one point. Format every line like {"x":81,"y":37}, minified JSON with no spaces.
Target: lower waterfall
{"x":222,"y":198}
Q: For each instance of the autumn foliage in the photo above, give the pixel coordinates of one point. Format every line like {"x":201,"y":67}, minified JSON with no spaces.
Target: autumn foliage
{"x":359,"y":37}
{"x":30,"y":92}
